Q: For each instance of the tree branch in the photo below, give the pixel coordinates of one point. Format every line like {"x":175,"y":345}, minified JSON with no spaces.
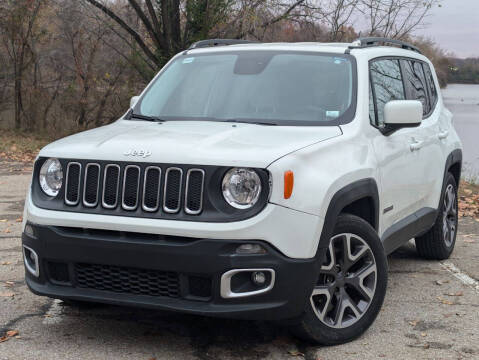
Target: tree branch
{"x":128,"y":29}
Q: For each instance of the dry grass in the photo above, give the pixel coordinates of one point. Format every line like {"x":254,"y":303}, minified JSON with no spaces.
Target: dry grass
{"x":469,"y":200}
{"x":19,"y":146}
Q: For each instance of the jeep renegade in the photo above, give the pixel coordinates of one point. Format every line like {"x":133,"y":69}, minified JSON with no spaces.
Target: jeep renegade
{"x":253,"y":181}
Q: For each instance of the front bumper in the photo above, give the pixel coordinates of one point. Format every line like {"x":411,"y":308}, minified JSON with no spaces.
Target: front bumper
{"x":185,"y":260}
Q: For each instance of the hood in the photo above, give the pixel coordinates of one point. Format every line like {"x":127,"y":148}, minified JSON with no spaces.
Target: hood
{"x":189,"y":142}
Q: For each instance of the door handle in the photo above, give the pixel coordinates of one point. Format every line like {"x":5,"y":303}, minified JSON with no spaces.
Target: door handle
{"x":415,"y":145}
{"x":443,"y":134}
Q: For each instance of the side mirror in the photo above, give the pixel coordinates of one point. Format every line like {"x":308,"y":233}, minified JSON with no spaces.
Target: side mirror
{"x":402,"y":113}
{"x":133,"y":101}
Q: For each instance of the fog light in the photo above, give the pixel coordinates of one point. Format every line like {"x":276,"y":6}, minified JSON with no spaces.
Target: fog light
{"x":258,"y":277}
{"x":250,"y":249}
{"x":29,"y":230}
{"x":30,"y":258}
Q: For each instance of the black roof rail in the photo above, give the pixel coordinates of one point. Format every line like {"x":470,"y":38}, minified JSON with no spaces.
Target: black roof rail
{"x":365,"y":42}
{"x":218,"y":42}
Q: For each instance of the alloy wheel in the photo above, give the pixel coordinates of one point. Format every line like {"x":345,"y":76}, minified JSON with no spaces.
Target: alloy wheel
{"x":347,"y":282}
{"x":449,"y":212}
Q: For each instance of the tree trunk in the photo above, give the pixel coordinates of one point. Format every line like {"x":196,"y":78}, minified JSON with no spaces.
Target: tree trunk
{"x":18,"y":100}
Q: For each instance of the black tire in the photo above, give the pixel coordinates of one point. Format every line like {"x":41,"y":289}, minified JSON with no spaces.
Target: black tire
{"x":438,"y":243}
{"x":310,"y":327}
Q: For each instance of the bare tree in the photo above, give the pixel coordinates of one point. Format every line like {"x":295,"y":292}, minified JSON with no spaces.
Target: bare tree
{"x":394,"y":18}
{"x":336,"y":15}
{"x":166,"y":26}
{"x":69,"y":65}
{"x":18,"y":18}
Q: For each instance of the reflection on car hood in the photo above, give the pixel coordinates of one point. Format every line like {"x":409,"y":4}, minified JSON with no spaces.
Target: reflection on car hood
{"x":189,"y":142}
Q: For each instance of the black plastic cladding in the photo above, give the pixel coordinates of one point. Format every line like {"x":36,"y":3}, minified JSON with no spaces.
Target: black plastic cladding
{"x":215,"y":208}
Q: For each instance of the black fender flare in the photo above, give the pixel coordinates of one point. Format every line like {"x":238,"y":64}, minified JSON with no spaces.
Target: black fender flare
{"x":455,"y":157}
{"x":347,"y":195}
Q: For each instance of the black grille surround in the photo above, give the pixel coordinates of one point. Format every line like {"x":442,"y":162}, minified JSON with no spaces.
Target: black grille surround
{"x":147,"y":190}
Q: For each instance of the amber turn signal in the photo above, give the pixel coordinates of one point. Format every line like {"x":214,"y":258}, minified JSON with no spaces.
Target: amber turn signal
{"x":288,"y":183}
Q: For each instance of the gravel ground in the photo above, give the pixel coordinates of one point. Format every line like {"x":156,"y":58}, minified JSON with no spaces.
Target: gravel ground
{"x":429,"y":312}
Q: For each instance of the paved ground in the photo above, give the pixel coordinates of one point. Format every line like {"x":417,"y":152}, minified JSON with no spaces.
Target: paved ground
{"x":429,"y":312}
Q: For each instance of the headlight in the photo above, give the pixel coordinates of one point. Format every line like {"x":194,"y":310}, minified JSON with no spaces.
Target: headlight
{"x":51,"y":177}
{"x":241,"y":187}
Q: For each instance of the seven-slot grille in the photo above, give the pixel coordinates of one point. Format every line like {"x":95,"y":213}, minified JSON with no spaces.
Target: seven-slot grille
{"x":167,"y":189}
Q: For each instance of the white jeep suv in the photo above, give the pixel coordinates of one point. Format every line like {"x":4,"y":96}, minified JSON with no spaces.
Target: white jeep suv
{"x":254,"y":181}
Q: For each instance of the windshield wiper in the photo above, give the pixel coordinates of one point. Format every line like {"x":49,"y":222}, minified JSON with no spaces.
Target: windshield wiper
{"x":145,"y":117}
{"x":250,"y":122}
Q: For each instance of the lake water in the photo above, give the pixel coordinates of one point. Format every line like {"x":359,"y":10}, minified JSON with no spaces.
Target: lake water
{"x":463,"y":102}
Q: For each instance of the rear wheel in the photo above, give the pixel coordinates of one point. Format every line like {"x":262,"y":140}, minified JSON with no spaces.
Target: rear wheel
{"x":438,"y":243}
{"x":350,"y":288}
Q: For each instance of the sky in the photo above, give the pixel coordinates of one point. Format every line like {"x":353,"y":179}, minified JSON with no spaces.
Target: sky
{"x":454,"y":27}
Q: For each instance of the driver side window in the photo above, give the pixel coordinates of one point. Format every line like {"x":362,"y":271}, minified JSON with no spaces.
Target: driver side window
{"x":386,"y":85}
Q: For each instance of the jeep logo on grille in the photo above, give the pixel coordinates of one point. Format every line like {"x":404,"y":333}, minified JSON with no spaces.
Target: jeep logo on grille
{"x":140,"y":153}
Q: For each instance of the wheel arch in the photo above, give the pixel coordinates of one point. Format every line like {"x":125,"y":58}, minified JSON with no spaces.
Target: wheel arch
{"x":453,"y":166}
{"x":356,"y":199}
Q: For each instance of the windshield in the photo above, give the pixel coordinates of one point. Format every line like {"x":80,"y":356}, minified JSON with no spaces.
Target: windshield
{"x":290,"y":88}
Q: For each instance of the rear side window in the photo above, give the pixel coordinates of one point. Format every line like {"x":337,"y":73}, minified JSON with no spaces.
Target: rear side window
{"x":387,"y":85}
{"x":416,"y":85}
{"x":431,"y":85}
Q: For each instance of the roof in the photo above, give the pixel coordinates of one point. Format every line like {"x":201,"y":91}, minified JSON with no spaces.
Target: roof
{"x":355,"y":48}
{"x":280,"y":46}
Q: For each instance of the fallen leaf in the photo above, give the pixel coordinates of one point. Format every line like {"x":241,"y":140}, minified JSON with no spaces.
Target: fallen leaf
{"x":8,"y":335}
{"x":427,"y":346}
{"x":7,"y":294}
{"x":6,"y":263}
{"x":413,"y":322}
{"x":295,"y":353}
{"x":444,"y":301}
{"x":7,"y":231}
{"x":469,"y":241}
{"x":3,"y":220}
{"x":459,"y":293}
{"x":423,"y":334}
{"x":19,"y":219}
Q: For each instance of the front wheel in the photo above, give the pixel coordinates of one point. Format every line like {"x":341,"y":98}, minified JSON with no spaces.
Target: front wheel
{"x":350,"y":288}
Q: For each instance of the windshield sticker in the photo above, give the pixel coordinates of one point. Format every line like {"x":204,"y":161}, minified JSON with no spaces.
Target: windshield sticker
{"x":188,"y":60}
{"x":330,"y":113}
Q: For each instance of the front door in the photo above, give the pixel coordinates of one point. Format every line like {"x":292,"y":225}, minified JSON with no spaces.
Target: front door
{"x":401,"y":160}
